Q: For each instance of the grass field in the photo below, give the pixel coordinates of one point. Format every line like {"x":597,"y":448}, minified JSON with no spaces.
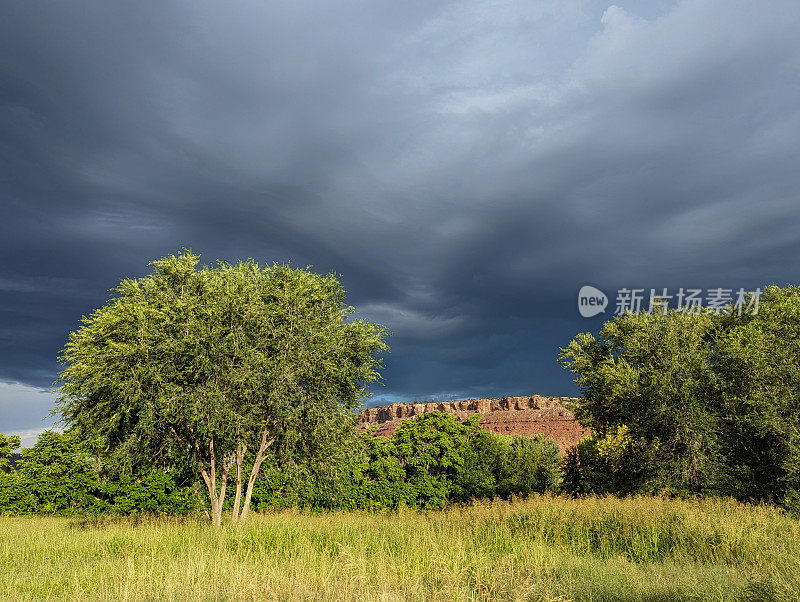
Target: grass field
{"x":544,"y":548}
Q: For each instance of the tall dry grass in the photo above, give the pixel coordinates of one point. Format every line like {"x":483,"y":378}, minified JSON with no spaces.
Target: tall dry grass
{"x":543,"y":548}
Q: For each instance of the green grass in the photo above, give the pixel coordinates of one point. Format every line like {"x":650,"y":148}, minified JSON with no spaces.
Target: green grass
{"x":544,"y":548}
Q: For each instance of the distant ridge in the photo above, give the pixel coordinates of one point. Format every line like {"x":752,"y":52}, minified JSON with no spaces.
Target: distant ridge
{"x":526,"y":416}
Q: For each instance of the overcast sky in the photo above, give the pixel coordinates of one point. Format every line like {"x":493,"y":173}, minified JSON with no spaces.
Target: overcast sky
{"x":465,"y":166}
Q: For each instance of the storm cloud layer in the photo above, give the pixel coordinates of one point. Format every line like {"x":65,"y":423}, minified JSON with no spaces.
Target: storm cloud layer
{"x":465,"y":166}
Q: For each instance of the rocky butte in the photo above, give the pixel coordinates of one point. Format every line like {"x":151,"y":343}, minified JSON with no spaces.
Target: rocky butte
{"x":526,"y":416}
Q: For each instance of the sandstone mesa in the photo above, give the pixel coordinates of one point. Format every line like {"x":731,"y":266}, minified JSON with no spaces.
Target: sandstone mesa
{"x":526,"y":416}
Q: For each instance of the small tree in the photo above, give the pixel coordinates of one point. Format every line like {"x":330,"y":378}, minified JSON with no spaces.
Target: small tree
{"x":58,"y":476}
{"x":430,"y":449}
{"x":216,"y":363}
{"x":8,"y":443}
{"x":530,"y":466}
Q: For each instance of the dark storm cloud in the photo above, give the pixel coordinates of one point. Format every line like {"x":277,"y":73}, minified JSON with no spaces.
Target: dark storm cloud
{"x":465,"y":166}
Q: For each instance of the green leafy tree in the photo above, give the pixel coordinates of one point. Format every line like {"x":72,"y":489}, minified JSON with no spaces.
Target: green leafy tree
{"x":652,"y":373}
{"x":531,"y":465}
{"x":10,"y":489}
{"x":573,"y":480}
{"x":380,"y":476}
{"x":8,"y":443}
{"x":611,"y":463}
{"x":152,"y":491}
{"x":497,"y":465}
{"x":757,"y":363}
{"x":711,"y":402}
{"x":430,"y":450}
{"x":484,"y":462}
{"x":218,"y":365}
{"x":58,"y":476}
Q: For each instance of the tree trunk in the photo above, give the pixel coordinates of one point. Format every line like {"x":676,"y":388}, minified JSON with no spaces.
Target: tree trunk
{"x":210,"y":479}
{"x":240,"y":452}
{"x":212,"y":494}
{"x":254,"y":473}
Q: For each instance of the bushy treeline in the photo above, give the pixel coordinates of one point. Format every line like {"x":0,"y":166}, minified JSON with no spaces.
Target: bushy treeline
{"x":429,"y":462}
{"x":58,"y":475}
{"x":680,"y":404}
{"x":692,"y":404}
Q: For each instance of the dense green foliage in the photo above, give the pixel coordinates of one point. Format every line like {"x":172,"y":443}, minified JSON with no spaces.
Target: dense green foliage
{"x":429,"y":462}
{"x":8,"y":443}
{"x":614,"y":463}
{"x":59,"y":476}
{"x":692,"y":404}
{"x":219,"y":366}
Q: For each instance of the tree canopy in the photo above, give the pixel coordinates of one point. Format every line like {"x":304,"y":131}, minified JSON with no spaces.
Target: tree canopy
{"x":216,"y":366}
{"x":706,"y":403}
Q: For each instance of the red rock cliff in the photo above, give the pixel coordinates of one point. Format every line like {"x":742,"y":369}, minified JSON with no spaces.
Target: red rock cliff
{"x":527,"y":416}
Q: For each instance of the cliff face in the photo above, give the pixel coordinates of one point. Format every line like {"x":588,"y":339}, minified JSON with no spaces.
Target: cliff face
{"x":527,"y":416}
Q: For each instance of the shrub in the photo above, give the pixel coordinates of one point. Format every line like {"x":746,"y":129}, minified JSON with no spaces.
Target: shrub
{"x":611,"y":463}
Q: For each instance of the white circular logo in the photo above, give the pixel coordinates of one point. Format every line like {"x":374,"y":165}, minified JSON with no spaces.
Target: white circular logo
{"x":591,"y":301}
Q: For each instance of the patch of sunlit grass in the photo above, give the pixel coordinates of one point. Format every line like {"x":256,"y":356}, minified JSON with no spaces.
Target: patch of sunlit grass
{"x":542,"y":548}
